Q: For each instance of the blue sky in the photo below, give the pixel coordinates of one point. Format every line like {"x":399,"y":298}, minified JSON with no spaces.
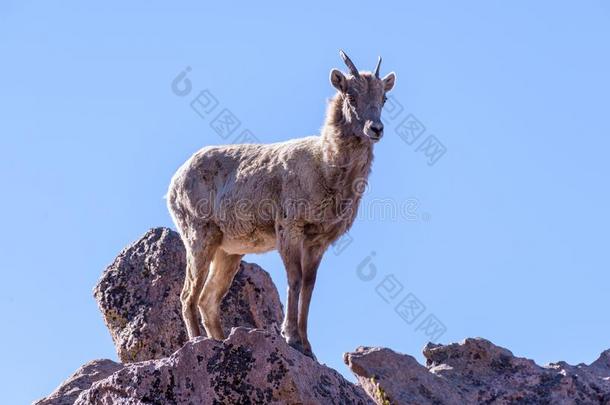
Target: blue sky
{"x":508,"y":237}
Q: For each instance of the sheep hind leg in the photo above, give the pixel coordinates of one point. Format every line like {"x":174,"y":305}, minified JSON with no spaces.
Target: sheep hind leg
{"x":189,"y":308}
{"x":222,"y":271}
{"x":197,"y":267}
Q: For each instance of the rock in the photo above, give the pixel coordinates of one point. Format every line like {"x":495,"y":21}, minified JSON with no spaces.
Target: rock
{"x":477,"y":371}
{"x":399,"y":379}
{"x":601,"y":366}
{"x":80,"y":381}
{"x":249,"y":367}
{"x":139,"y":297}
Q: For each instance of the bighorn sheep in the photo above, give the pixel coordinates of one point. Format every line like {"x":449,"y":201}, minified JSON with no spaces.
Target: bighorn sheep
{"x":297,"y":196}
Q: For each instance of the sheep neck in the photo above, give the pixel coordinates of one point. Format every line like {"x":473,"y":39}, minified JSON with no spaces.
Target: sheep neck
{"x":347,"y":157}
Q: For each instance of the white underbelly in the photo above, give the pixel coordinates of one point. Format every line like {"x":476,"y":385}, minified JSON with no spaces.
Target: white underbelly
{"x":261,"y":244}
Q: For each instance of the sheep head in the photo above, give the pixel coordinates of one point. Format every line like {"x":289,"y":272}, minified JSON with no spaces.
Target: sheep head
{"x":363,"y":95}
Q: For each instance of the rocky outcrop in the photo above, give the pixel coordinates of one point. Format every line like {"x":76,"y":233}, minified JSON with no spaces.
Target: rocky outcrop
{"x":249,"y":367}
{"x":474,"y":372}
{"x":139,"y":297}
{"x":80,"y":381}
{"x":385,"y":374}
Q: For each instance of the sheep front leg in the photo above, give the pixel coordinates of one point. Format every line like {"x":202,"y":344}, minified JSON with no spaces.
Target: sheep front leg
{"x":310,"y":261}
{"x":291,"y":256}
{"x":290,"y":327}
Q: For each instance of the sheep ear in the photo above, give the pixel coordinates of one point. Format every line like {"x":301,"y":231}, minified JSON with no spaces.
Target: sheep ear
{"x":389,"y":81}
{"x":338,"y":80}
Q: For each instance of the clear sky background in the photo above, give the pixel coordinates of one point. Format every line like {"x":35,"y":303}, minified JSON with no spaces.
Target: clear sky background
{"x":509,"y":234}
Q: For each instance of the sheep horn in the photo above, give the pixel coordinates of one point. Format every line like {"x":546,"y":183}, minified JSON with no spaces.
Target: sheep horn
{"x":349,"y":63}
{"x":377,"y":67}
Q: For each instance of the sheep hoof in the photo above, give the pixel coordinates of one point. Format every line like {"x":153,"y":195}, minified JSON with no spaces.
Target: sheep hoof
{"x":297,"y":345}
{"x":310,"y":354}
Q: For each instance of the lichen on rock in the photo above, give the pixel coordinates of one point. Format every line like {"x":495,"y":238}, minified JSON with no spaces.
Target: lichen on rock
{"x":251,"y":366}
{"x":138,"y":295}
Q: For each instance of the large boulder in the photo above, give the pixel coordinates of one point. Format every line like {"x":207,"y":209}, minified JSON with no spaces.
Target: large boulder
{"x":139,"y":297}
{"x":477,"y":371}
{"x":249,"y":367}
{"x":80,"y":381}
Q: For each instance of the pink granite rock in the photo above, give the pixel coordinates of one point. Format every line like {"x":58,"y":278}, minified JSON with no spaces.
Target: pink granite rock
{"x":398,"y":378}
{"x":80,"y":381}
{"x":139,"y":298}
{"x":249,"y":367}
{"x":477,"y":371}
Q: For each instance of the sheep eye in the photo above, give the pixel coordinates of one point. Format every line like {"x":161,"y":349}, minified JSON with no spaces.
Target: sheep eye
{"x":351,"y":99}
{"x":384,"y":99}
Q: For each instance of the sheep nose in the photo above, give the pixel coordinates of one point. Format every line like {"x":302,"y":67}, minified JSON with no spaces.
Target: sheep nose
{"x":377,"y":128}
